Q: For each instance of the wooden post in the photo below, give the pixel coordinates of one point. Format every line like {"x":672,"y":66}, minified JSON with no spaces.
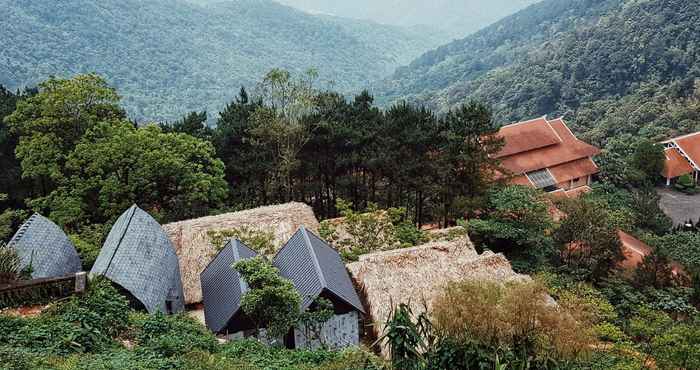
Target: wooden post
{"x":80,"y":282}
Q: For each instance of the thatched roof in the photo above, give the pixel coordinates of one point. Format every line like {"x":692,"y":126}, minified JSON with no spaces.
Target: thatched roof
{"x":195,"y":249}
{"x":417,"y":275}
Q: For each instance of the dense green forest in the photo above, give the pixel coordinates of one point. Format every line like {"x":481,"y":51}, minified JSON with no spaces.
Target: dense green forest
{"x":612,"y":67}
{"x":71,"y":153}
{"x":170,"y":56}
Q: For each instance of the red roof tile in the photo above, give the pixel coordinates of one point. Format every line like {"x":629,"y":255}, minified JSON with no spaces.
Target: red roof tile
{"x":675,"y":165}
{"x":570,"y":149}
{"x":633,"y":249}
{"x":574,"y":170}
{"x":521,"y":180}
{"x":690,"y":144}
{"x":524,"y":136}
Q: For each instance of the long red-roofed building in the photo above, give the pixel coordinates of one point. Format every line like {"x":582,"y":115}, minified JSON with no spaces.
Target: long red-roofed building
{"x":546,"y":155}
{"x":682,"y":157}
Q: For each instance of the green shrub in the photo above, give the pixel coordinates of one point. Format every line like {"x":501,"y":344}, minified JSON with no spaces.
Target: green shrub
{"x":610,"y":333}
{"x":260,"y":241}
{"x":686,"y":184}
{"x":102,"y":309}
{"x":47,"y":335}
{"x":172,"y":335}
{"x":271,"y":302}
{"x":9,"y":263}
{"x":266,"y":357}
{"x":13,"y":358}
{"x":88,"y":244}
{"x":369,"y":231}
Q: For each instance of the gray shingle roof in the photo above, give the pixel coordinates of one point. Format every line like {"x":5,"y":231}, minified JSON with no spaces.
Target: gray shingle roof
{"x":138,"y":256}
{"x":223,"y":289}
{"x":315,"y":268}
{"x":49,"y":250}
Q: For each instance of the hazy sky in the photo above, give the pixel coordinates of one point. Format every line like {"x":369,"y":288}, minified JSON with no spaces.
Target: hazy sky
{"x":459,"y":17}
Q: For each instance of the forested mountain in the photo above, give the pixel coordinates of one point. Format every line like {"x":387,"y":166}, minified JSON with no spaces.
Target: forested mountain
{"x":613,"y":67}
{"x":168,"y":57}
{"x":456,"y":18}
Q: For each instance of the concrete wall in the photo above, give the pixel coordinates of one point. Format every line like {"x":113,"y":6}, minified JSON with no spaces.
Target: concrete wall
{"x":341,"y":331}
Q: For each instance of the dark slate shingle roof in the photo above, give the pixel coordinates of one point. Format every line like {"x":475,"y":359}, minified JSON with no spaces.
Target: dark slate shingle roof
{"x":138,"y":256}
{"x":315,"y":267}
{"x":223,"y":288}
{"x":46,"y":247}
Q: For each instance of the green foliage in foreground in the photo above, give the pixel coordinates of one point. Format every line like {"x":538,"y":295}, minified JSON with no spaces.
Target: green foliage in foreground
{"x":98,"y":331}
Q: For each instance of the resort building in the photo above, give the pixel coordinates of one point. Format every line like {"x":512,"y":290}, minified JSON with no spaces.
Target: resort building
{"x":318,"y":271}
{"x":546,"y":155}
{"x":682,"y":157}
{"x":45,"y":249}
{"x":223,"y":289}
{"x":138,"y":256}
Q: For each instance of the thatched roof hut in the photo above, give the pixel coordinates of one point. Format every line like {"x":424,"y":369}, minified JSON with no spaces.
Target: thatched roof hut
{"x":417,"y":275}
{"x":194,"y":247}
{"x":42,"y":244}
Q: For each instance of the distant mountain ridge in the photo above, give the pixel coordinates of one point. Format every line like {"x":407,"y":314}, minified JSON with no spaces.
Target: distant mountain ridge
{"x":610,"y":66}
{"x":168,"y":57}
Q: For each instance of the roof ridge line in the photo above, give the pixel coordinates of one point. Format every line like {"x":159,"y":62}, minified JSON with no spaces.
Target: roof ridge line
{"x":317,"y":265}
{"x":528,"y":121}
{"x":680,"y":137}
{"x":131,"y":209}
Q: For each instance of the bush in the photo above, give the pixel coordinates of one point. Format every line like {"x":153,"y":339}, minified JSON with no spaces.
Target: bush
{"x":102,"y":309}
{"x":518,"y":316}
{"x":686,"y":184}
{"x":370,"y":231}
{"x":271,"y":302}
{"x":89,"y":243}
{"x":265,"y":357}
{"x":169,"y":336}
{"x":9,"y":263}
{"x":260,"y":241}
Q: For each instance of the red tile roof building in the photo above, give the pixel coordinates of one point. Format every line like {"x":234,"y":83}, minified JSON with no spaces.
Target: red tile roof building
{"x":545,"y":154}
{"x":682,"y":157}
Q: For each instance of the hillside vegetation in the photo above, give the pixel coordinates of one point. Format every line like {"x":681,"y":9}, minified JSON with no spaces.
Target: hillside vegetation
{"x":171,"y":56}
{"x":612,"y":66}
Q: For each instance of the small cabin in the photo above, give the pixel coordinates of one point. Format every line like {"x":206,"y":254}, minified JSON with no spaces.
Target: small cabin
{"x":317,"y":271}
{"x":44,"y":248}
{"x":138,"y":256}
{"x":223,"y":289}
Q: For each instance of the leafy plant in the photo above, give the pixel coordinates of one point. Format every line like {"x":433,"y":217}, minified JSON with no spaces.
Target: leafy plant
{"x":271,"y":302}
{"x":373,"y":230}
{"x":9,"y":263}
{"x":260,"y":241}
{"x":170,"y":336}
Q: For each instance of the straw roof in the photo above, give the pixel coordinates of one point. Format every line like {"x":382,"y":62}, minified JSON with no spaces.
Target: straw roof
{"x":194,"y":247}
{"x":417,"y":275}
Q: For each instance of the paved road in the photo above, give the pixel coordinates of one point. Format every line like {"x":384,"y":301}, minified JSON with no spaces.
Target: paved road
{"x":678,"y":206}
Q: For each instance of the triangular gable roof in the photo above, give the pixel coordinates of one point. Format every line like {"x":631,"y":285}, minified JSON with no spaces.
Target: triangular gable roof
{"x":138,"y":256}
{"x":43,"y":244}
{"x":675,"y":164}
{"x":316,"y":268}
{"x":223,"y":288}
{"x":689,"y":145}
